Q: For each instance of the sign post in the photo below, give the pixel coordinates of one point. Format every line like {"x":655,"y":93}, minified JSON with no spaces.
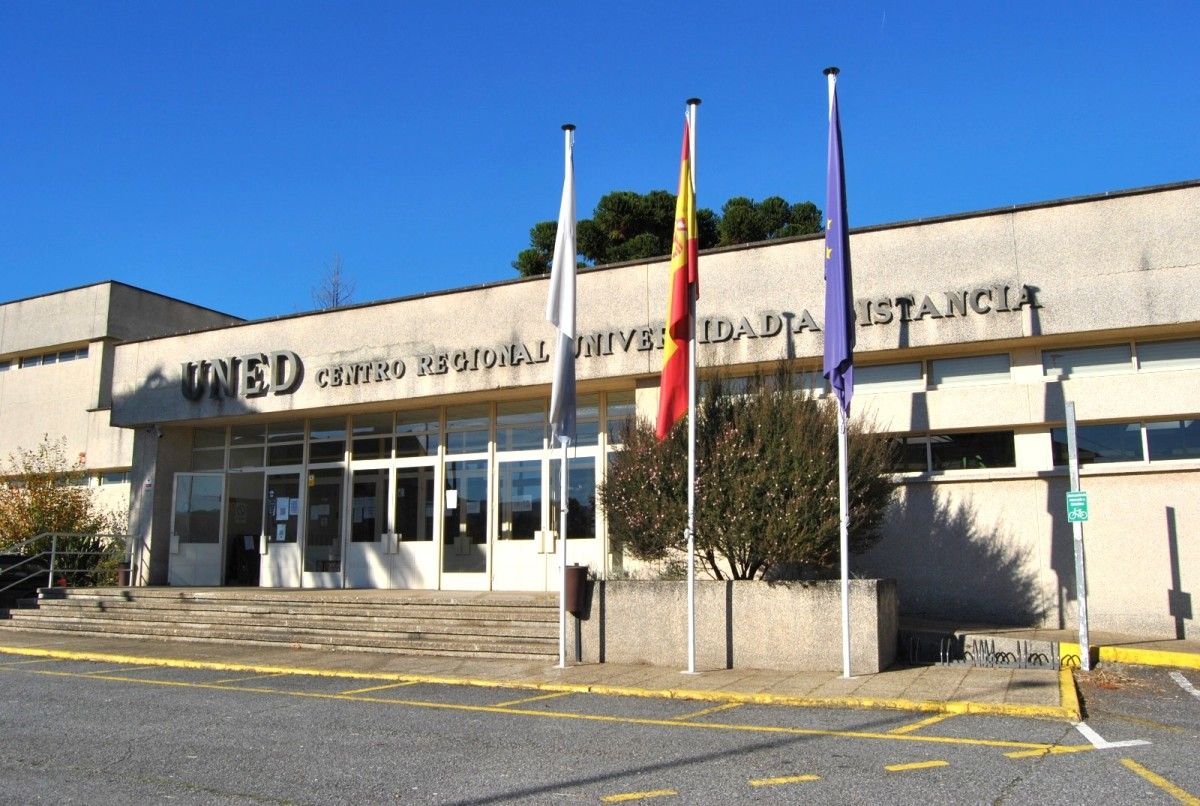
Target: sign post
{"x":1077,"y":513}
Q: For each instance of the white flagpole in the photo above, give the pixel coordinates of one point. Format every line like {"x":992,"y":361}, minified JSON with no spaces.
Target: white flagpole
{"x":562,"y":553}
{"x":843,"y":484}
{"x":691,"y":521}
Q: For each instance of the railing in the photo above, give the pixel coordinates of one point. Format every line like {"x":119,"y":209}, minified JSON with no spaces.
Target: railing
{"x":68,"y":559}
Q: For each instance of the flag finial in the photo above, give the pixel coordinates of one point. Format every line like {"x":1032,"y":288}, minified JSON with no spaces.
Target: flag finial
{"x":693,"y":101}
{"x":830,"y":71}
{"x":568,"y":127}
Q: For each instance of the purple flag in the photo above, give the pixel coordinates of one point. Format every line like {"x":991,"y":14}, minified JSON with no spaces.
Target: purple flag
{"x":839,"y":294}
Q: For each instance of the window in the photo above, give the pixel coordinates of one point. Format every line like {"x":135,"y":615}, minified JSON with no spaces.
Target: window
{"x":886,"y":377}
{"x":417,"y":433}
{"x":974,"y":450}
{"x":208,"y":448}
{"x":327,"y":440}
{"x":114,"y":477}
{"x":372,"y":436}
{"x":5,"y":366}
{"x":467,"y":429}
{"x":1098,"y":444}
{"x":246,"y":446}
{"x":976,"y":369}
{"x":587,"y":420}
{"x":619,"y":411}
{"x":1173,"y":439}
{"x":1157,"y":355}
{"x":521,"y":425}
{"x":1088,"y":360}
{"x":285,"y":443}
{"x":31,"y":361}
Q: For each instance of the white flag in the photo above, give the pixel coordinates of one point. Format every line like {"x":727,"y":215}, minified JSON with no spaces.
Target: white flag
{"x":560,"y":307}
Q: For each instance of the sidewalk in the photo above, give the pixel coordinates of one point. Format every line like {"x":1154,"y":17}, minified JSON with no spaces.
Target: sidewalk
{"x":945,"y":689}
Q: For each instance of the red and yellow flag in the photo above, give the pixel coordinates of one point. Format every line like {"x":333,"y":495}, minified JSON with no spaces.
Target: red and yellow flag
{"x":683,"y":282}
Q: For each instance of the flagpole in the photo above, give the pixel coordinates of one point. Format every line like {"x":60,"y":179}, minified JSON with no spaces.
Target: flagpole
{"x":562,"y":405}
{"x":831,"y":74}
{"x":692,"y":103}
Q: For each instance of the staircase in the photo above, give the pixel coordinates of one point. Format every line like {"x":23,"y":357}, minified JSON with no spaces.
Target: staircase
{"x":517,"y":626}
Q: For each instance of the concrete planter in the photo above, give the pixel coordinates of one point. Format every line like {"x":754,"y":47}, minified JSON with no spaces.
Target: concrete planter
{"x":788,"y":626}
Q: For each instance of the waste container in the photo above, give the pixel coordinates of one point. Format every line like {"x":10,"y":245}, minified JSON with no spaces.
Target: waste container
{"x":576,"y":588}
{"x":123,"y":575}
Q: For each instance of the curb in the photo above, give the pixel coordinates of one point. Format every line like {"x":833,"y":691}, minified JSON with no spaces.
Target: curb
{"x":1068,"y":709}
{"x":1136,"y":656}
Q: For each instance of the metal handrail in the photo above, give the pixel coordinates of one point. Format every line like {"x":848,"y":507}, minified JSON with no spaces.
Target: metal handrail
{"x":55,"y":552}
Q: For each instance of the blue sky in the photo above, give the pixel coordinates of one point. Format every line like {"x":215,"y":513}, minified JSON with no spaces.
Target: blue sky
{"x":223,"y":152}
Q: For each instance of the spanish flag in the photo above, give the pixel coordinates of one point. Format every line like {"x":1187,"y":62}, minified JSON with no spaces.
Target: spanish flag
{"x":683,"y":286}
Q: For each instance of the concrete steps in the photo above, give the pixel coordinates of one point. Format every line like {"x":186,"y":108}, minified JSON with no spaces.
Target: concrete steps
{"x":493,"y":625}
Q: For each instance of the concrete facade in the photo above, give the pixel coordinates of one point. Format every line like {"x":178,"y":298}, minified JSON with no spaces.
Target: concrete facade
{"x":1019,"y":289}
{"x":68,"y":395}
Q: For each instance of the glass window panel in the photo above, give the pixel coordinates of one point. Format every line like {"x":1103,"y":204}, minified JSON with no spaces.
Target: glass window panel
{"x":464,"y":531}
{"x":368,"y":505}
{"x":247,"y":435}
{"x":973,"y":450}
{"x":888,"y":376}
{"x":587,"y":420}
{"x":620,"y":409}
{"x":372,"y":448}
{"x":327,"y":428}
{"x":581,"y":497}
{"x":414,"y":503}
{"x":115,"y":477}
{"x":245,"y":457}
{"x":1098,"y":444}
{"x":66,"y":355}
{"x":50,"y":358}
{"x":911,"y":454}
{"x":31,"y":361}
{"x":372,"y":436}
{"x":467,"y":429}
{"x":1088,"y":360}
{"x":520,"y":425}
{"x":1169,"y":354}
{"x":364,"y":425}
{"x":5,"y":366}
{"x":327,"y":451}
{"x":322,"y":543}
{"x":208,"y":460}
{"x":280,"y":455}
{"x":417,"y":433}
{"x":975,"y":369}
{"x":520,"y":499}
{"x":288,"y":431}
{"x":1174,"y":439}
{"x":208,"y":438}
{"x":198,"y":508}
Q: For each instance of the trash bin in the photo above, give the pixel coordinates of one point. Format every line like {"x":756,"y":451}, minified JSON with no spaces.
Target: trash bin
{"x":123,"y":575}
{"x":576,"y":588}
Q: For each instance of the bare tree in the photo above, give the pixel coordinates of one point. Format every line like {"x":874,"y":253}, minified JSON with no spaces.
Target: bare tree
{"x":335,"y":289}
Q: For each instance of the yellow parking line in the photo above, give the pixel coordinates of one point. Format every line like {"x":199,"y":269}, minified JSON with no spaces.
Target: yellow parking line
{"x":1036,"y":747}
{"x":706,"y":711}
{"x":247,"y":677}
{"x":553,"y":696}
{"x":379,"y":688}
{"x":1056,"y":750}
{"x":1171,"y":789}
{"x":123,"y":669}
{"x":27,"y":662}
{"x":916,"y":765}
{"x":783,"y":779}
{"x":653,"y":793}
{"x":924,"y":723}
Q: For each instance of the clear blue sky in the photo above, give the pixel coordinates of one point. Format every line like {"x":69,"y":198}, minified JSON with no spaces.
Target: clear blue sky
{"x":222,"y":152}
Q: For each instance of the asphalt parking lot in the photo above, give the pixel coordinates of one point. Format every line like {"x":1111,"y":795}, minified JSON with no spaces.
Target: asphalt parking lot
{"x":87,"y":732}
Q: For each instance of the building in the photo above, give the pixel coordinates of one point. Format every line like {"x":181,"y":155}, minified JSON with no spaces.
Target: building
{"x":56,"y":363}
{"x":403,"y":443}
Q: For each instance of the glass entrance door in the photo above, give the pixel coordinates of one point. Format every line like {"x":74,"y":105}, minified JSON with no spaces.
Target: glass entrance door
{"x":281,"y":531}
{"x":323,"y":529}
{"x":416,"y":552}
{"x":465,"y":525}
{"x":371,"y":548}
{"x":521,"y":552}
{"x":243,"y":527}
{"x":196,"y":529}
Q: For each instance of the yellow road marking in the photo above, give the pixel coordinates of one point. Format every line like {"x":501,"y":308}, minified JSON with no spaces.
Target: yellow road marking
{"x":379,"y":688}
{"x":1056,"y":750}
{"x":1171,"y":789}
{"x":759,"y":698}
{"x":553,"y":696}
{"x":626,"y":720}
{"x":653,"y":793}
{"x":783,"y":779}
{"x":916,"y":765}
{"x":27,"y":662}
{"x":1136,"y":655}
{"x":247,"y":677}
{"x":706,"y":711}
{"x":924,"y":723}
{"x":129,"y":669}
